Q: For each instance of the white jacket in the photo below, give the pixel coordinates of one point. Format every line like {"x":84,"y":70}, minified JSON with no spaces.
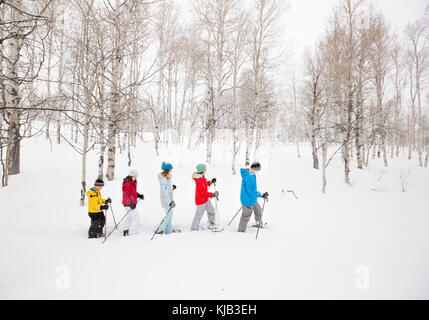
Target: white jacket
{"x":166,"y":189}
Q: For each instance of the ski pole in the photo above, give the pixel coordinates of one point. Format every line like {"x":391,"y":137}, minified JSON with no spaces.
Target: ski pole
{"x":235,"y":216}
{"x":105,"y":225}
{"x":114,"y":220}
{"x":119,"y":223}
{"x":216,"y":200}
{"x":161,"y":223}
{"x":291,"y":191}
{"x":259,"y":224}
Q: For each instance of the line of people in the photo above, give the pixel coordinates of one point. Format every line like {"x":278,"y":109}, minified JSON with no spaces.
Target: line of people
{"x":130,"y":197}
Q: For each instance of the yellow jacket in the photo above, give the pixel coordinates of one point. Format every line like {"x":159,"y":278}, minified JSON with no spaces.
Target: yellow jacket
{"x":94,"y":200}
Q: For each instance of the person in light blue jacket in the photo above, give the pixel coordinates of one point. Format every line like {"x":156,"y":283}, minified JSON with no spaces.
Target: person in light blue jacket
{"x":249,"y":196}
{"x":167,"y":201}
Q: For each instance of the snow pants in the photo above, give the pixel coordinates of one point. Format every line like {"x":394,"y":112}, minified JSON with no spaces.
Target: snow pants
{"x":131,"y":222}
{"x":199,"y":214}
{"x":167,"y":226}
{"x":97,"y":223}
{"x":246,"y":213}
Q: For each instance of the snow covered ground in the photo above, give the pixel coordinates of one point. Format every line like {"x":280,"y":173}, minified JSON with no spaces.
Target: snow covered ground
{"x":365,"y":241}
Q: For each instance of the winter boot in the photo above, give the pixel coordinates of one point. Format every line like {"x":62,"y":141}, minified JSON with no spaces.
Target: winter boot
{"x":126,"y":233}
{"x":212,"y":226}
{"x":259,"y":224}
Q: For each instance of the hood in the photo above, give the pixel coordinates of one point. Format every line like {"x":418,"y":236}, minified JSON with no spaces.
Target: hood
{"x":245,"y":172}
{"x":127,"y":179}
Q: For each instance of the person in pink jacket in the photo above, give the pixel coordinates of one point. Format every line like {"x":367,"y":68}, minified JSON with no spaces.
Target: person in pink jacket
{"x":129,"y":200}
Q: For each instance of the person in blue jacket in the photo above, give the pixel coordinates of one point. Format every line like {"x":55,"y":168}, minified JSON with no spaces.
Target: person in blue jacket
{"x":249,"y":196}
{"x":167,"y":202}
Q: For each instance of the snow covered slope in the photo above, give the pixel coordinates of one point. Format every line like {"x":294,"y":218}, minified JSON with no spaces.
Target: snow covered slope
{"x":368,"y":240}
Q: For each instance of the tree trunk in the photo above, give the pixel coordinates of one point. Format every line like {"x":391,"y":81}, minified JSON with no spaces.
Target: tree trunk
{"x":314,"y":146}
{"x":12,"y":94}
{"x":85,"y":148}
{"x":60,"y":75}
{"x":114,"y":107}
{"x":249,"y":143}
{"x":210,"y":138}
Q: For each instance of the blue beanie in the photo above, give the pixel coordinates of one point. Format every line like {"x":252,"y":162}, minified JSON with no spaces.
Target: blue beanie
{"x":166,"y":166}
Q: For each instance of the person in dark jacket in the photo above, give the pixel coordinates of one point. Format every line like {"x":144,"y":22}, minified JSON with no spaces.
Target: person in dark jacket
{"x":249,"y":196}
{"x":129,"y":200}
{"x":202,"y":198}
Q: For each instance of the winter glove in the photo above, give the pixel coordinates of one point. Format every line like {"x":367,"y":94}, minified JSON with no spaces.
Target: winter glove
{"x":174,"y":186}
{"x":140,"y":196}
{"x":132,"y":206}
{"x":109,"y":200}
{"x":216,"y":194}
{"x":104,"y":207}
{"x":172,"y":204}
{"x":214,"y":180}
{"x":265,"y":195}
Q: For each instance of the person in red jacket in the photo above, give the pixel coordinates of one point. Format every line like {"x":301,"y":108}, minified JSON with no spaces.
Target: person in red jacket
{"x":202,"y":198}
{"x":129,"y":200}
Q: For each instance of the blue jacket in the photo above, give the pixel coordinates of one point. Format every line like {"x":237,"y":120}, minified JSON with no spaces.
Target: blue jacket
{"x":249,"y":193}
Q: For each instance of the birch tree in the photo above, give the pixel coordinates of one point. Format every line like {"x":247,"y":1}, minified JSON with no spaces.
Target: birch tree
{"x":264,"y":35}
{"x":19,"y":31}
{"x":238,"y":59}
{"x":312,"y":101}
{"x":418,"y":53}
{"x":217,"y":19}
{"x":380,"y":66}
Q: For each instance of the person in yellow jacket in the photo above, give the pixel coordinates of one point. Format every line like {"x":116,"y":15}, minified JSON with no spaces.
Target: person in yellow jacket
{"x":96,"y":205}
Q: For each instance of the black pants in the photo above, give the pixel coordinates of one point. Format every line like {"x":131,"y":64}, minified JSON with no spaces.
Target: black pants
{"x":97,"y":223}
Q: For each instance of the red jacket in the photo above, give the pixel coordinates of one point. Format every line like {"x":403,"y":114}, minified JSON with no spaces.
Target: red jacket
{"x":201,"y":193}
{"x":129,"y":192}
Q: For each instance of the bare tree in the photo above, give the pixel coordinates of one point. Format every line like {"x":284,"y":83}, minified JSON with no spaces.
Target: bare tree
{"x":217,"y":18}
{"x":313,"y":100}
{"x":418,"y":53}
{"x":238,"y":60}
{"x":380,"y":64}
{"x":264,"y":34}
{"x":19,"y":28}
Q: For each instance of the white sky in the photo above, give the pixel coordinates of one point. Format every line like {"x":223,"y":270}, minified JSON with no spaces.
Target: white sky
{"x":306,"y":19}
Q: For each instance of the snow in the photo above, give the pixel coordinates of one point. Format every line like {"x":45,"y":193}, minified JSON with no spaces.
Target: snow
{"x":364,"y":241}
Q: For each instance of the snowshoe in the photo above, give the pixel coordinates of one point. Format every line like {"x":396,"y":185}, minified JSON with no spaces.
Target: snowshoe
{"x":262,"y":225}
{"x":212,"y":228}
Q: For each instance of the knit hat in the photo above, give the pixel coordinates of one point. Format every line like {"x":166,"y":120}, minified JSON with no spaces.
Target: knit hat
{"x":201,"y":167}
{"x":133,"y":173}
{"x":256,"y":166}
{"x":166,"y":166}
{"x":99,"y":183}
